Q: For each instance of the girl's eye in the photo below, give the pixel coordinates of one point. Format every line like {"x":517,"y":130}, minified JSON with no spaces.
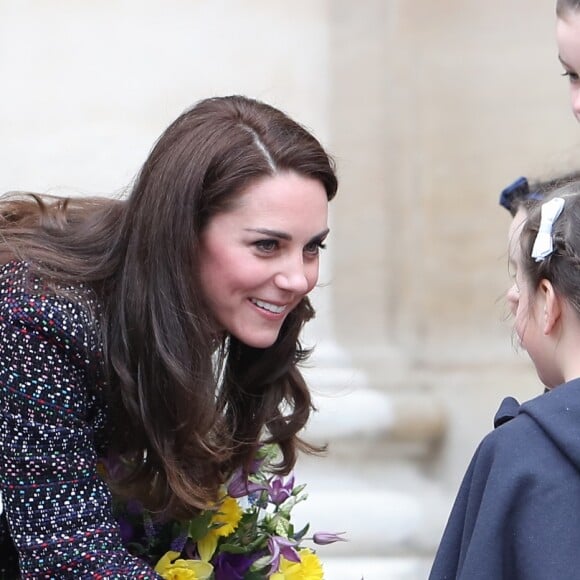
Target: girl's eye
{"x":313,"y":248}
{"x":267,"y":246}
{"x":572,"y":76}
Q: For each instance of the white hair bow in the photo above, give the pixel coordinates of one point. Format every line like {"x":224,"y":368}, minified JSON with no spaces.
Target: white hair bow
{"x":543,"y":244}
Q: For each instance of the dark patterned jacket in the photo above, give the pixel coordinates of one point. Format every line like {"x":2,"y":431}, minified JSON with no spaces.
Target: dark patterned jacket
{"x":57,"y":520}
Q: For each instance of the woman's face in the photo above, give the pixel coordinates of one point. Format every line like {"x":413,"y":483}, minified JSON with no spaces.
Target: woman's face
{"x":260,"y":258}
{"x":568,"y":40}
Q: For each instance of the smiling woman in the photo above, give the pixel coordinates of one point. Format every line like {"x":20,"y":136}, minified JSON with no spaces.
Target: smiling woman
{"x":259,"y":259}
{"x":568,"y":40}
{"x":113,"y":315}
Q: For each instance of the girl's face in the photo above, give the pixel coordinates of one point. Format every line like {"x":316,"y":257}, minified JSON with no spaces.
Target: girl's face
{"x":568,"y":40}
{"x":259,"y":259}
{"x":518,"y":295}
{"x":526,"y":308}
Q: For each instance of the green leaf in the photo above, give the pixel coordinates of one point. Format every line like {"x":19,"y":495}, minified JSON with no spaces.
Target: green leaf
{"x":234,"y":549}
{"x":199,"y":526}
{"x":298,"y":489}
{"x":286,"y":507}
{"x":299,"y":535}
{"x":282,"y":527}
{"x":257,"y":544}
{"x":260,"y":564}
{"x":268,"y":452}
{"x":255,"y":576}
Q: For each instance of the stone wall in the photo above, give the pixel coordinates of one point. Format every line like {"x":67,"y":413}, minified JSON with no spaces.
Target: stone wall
{"x":430,"y":109}
{"x":436,"y":107}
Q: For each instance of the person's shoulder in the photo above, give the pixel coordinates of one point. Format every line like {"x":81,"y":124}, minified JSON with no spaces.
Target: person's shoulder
{"x":511,"y":434}
{"x":519,"y":429}
{"x":63,"y":311}
{"x":521,"y":443}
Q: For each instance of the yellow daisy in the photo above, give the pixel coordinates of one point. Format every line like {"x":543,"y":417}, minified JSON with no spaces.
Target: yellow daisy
{"x":309,"y":568}
{"x":171,"y":568}
{"x":228,"y":517}
{"x":225,"y":520}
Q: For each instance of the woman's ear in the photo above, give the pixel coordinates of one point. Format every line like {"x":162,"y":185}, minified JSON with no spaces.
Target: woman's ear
{"x":552,"y":306}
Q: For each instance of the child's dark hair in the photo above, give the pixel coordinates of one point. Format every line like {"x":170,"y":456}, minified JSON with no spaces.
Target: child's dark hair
{"x":524,"y":193}
{"x":562,"y":266}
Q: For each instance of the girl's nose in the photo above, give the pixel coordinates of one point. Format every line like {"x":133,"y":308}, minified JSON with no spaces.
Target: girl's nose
{"x":512,"y":296}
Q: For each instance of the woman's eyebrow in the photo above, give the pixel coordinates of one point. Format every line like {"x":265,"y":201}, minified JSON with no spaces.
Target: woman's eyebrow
{"x":321,"y":235}
{"x":563,"y":62}
{"x":283,"y":235}
{"x":271,"y":233}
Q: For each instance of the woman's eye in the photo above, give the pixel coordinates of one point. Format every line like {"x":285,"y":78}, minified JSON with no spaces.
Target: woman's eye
{"x":572,"y":76}
{"x":266,"y":245}
{"x":314,"y":248}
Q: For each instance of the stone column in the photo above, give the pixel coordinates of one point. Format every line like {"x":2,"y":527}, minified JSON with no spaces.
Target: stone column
{"x":381,"y":424}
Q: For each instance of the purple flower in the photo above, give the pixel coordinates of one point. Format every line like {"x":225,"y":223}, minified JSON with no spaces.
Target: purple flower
{"x":190,"y":550}
{"x":324,"y":538}
{"x":240,"y":486}
{"x":150,"y":528}
{"x":134,"y":507}
{"x":278,"y":547}
{"x":126,"y":530}
{"x":232,"y":566}
{"x":280,"y":489}
{"x":256,"y":465}
{"x":178,"y":543}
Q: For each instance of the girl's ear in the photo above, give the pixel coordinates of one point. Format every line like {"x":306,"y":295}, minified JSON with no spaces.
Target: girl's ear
{"x":552,"y":306}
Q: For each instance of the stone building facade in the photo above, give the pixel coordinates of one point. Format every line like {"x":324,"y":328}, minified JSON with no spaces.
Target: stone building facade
{"x":430,"y":109}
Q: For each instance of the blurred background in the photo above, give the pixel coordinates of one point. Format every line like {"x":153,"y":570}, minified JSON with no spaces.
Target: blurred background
{"x":430,"y":109}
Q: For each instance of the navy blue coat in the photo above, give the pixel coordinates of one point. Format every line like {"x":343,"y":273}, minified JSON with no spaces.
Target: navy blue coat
{"x":517,"y":512}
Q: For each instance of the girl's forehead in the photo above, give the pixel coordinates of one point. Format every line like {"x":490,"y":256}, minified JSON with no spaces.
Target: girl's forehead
{"x":517,"y":223}
{"x":514,"y":233}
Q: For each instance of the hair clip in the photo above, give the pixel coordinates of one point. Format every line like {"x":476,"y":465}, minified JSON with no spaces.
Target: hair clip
{"x":518,"y":190}
{"x":544,"y":244}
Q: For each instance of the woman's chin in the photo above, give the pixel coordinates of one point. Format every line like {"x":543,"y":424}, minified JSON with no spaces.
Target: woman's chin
{"x":258,"y":339}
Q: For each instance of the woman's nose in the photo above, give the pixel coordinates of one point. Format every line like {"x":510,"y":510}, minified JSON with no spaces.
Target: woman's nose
{"x":576,"y":103}
{"x":294,"y":277}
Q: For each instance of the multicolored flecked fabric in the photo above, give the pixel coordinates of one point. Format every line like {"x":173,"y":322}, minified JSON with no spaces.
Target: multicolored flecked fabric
{"x":57,"y":511}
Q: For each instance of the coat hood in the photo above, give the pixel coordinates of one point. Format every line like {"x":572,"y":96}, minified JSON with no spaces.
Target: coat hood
{"x":557,"y":412}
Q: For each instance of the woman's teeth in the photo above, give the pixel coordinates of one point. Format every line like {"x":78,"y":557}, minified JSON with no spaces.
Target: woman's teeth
{"x":267,"y":306}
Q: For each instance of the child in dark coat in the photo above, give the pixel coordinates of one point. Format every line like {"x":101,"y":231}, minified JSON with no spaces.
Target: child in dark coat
{"x":517,"y":513}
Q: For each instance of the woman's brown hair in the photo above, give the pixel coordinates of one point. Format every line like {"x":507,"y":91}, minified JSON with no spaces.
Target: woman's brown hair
{"x":564,"y":6}
{"x":188,"y":406}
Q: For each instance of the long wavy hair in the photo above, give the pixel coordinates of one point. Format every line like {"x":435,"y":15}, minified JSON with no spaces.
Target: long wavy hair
{"x":565,"y":6}
{"x":187,"y":406}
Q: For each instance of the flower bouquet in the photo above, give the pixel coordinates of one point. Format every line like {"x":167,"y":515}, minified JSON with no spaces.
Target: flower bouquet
{"x":249,"y":536}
